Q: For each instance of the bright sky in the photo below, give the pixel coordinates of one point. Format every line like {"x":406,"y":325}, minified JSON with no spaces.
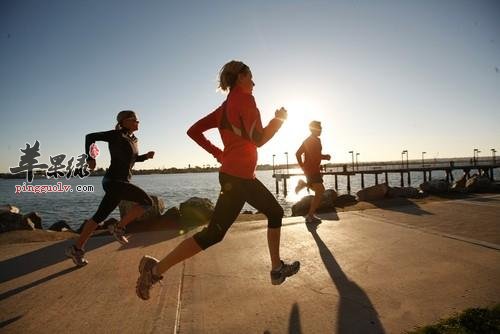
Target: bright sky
{"x":382,"y":76}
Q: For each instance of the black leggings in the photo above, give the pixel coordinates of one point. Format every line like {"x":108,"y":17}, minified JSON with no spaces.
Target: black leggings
{"x":234,"y":193}
{"x":116,"y":191}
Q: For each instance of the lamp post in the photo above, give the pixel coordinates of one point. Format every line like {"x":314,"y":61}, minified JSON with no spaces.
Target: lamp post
{"x":407,"y":163}
{"x":474,"y":156}
{"x":357,"y":165}
{"x":286,"y":153}
{"x":274,"y":171}
{"x":493,"y":151}
{"x":402,"y":157}
{"x":423,"y":159}
{"x":352,"y":156}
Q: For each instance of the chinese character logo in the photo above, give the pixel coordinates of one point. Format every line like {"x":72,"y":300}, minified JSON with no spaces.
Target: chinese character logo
{"x":28,"y":161}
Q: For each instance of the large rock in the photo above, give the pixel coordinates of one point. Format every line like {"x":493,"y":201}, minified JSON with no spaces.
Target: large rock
{"x":60,"y":226}
{"x":9,"y":208}
{"x":437,"y":186}
{"x":172,"y":214}
{"x":154,"y":211}
{"x":196,"y":210}
{"x":478,"y":184}
{"x":373,"y":193}
{"x":406,"y":192}
{"x":35,"y":219}
{"x":327,"y":203}
{"x":301,"y":208}
{"x":345,"y":200}
{"x":12,"y":221}
{"x":459,"y":185}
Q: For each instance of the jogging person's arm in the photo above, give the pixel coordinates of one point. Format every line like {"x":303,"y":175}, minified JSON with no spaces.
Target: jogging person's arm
{"x":91,"y":138}
{"x":144,"y":157}
{"x":253,"y":125}
{"x":195,"y":132}
{"x":298,"y":155}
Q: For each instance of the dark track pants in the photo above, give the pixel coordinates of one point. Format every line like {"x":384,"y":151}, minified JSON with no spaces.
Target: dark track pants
{"x":234,"y":193}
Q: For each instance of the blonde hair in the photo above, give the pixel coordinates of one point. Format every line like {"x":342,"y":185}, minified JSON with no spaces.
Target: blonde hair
{"x":228,"y":75}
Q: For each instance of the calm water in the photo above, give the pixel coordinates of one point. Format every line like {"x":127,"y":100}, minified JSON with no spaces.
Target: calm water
{"x":74,"y":207}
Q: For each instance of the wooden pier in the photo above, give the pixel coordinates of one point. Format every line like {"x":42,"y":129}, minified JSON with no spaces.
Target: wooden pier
{"x":383,"y":169}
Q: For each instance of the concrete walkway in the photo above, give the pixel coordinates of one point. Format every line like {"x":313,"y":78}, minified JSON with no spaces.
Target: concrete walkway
{"x":373,"y":271}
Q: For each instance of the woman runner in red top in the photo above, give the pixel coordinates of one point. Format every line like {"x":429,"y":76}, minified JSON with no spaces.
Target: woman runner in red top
{"x":240,"y":127}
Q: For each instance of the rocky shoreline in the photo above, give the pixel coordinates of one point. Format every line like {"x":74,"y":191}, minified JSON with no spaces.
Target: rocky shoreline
{"x":16,"y":227}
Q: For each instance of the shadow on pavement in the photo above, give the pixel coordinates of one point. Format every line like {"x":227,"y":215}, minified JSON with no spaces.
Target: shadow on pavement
{"x":9,"y":321}
{"x":294,"y":326}
{"x":332,"y":215}
{"x":356,"y":313}
{"x":15,"y":291}
{"x":403,"y":205}
{"x":43,"y":257}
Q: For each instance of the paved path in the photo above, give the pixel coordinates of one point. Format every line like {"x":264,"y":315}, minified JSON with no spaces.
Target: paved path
{"x":380,"y":270}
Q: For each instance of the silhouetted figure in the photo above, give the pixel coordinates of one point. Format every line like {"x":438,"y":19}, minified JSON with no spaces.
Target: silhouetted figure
{"x":240,"y":127}
{"x":311,"y":149}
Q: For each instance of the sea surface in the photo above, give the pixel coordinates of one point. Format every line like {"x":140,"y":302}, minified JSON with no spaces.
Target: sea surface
{"x":74,"y":207}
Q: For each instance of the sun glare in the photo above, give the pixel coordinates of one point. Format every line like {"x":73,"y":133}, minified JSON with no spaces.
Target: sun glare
{"x":300,"y":113}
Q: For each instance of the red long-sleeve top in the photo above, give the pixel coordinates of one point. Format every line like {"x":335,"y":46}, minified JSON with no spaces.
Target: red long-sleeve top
{"x":240,"y":127}
{"x":311,"y":149}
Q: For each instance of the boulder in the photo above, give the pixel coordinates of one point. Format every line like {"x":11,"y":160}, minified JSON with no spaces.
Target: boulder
{"x":196,"y":210}
{"x":327,"y":203}
{"x":406,"y":192}
{"x":154,"y":211}
{"x":60,"y":226}
{"x":373,"y":193}
{"x":345,"y":200}
{"x":12,"y":221}
{"x":9,"y":208}
{"x":302,"y":207}
{"x":104,"y":225}
{"x":35,"y":219}
{"x":437,"y":186}
{"x":478,"y":184}
{"x":459,"y":185}
{"x":172,"y":214}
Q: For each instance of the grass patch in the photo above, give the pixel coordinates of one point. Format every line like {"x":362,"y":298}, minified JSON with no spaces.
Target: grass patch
{"x":473,"y":320}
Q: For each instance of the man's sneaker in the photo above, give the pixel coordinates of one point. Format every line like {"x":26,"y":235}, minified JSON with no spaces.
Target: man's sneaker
{"x":279,"y":275}
{"x":313,"y":220}
{"x":76,"y":255}
{"x":300,"y":185}
{"x":118,"y":233}
{"x":146,"y":277}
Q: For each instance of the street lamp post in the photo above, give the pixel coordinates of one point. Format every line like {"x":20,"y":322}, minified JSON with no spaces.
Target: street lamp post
{"x":286,"y":153}
{"x":352,"y":156}
{"x":493,"y":151}
{"x":407,"y":163}
{"x":423,"y":159}
{"x":357,"y":165}
{"x":274,"y":171}
{"x":474,"y":156}
{"x":402,"y":157}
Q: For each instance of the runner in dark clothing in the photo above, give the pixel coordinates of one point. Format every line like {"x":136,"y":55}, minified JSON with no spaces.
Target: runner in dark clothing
{"x":116,"y":182}
{"x":241,"y":130}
